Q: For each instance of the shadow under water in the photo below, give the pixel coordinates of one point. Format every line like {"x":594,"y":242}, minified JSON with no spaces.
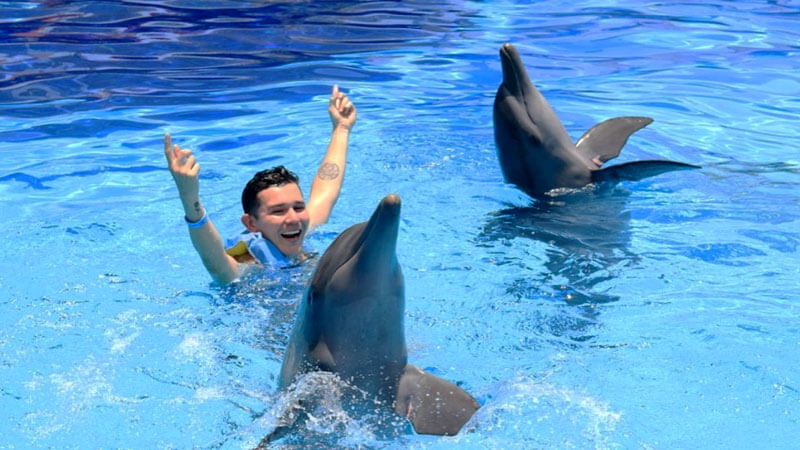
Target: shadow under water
{"x":270,"y":298}
{"x":587,"y":236}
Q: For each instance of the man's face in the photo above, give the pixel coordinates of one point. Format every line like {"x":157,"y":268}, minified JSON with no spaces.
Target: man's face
{"x":281,"y":217}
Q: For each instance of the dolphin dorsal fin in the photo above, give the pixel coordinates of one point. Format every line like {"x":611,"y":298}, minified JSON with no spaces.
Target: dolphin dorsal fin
{"x":433,"y":405}
{"x":605,"y":140}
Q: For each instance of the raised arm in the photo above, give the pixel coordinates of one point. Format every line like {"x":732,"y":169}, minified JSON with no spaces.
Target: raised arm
{"x":205,"y":238}
{"x":328,"y":181}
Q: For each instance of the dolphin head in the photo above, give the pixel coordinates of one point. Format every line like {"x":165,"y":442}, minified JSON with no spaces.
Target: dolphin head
{"x":533,"y":147}
{"x":515,"y":77}
{"x":519,"y":108}
{"x":357,"y":300}
{"x":364,"y":250}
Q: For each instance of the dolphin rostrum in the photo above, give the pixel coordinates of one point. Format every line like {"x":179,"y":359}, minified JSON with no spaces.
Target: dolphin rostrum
{"x":537,"y":155}
{"x":350,"y":322}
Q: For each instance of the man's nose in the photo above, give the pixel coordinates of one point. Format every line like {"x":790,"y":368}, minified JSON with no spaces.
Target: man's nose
{"x":292,"y":216}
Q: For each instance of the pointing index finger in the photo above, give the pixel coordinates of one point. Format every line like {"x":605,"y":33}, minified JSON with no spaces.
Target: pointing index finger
{"x":167,"y":145}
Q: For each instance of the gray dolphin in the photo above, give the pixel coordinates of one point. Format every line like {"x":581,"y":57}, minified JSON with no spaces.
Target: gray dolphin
{"x":537,"y":155}
{"x":350,"y":322}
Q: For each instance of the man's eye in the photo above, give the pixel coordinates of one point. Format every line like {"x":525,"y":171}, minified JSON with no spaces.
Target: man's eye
{"x":278,"y":212}
{"x":300,"y":208}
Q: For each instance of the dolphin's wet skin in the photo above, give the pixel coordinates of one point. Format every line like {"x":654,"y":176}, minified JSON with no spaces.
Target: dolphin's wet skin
{"x":537,"y":155}
{"x":351,"y":323}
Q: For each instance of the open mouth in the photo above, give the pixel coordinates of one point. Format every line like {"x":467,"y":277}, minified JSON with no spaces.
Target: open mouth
{"x":291,"y":235}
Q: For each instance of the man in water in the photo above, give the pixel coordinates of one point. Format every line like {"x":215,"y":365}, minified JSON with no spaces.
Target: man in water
{"x":276,"y":216}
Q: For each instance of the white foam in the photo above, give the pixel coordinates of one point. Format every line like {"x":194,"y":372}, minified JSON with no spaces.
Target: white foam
{"x":542,"y":407}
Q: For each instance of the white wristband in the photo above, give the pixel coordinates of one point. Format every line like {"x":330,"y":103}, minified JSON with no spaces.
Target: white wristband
{"x":199,"y":223}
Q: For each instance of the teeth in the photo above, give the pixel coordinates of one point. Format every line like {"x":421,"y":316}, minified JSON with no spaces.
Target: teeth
{"x":292,"y":234}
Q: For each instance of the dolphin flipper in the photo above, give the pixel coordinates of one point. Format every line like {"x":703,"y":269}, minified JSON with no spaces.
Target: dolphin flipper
{"x":637,"y":170}
{"x":433,"y":405}
{"x":605,"y":140}
{"x":294,"y":416}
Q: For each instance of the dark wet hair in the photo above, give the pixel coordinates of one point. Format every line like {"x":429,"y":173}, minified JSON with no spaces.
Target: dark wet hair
{"x":277,"y":176}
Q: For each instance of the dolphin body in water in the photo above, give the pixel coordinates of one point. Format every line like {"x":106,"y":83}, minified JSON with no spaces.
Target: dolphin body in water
{"x":350,"y":322}
{"x":535,"y":151}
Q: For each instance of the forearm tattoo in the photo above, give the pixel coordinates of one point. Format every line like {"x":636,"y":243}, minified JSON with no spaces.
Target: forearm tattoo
{"x":328,"y":171}
{"x":197,"y":206}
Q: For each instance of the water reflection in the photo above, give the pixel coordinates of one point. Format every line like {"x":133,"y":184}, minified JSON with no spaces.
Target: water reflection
{"x":586,"y":235}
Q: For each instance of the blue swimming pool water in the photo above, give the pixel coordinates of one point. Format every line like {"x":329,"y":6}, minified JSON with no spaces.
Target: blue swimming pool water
{"x":653,"y":314}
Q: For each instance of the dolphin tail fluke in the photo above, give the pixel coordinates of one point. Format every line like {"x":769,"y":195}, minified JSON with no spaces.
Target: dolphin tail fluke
{"x":605,"y":140}
{"x":433,"y":405}
{"x":637,"y":170}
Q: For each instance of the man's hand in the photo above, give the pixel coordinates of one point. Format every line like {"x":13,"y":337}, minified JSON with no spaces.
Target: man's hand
{"x":184,"y":168}
{"x":341,"y":110}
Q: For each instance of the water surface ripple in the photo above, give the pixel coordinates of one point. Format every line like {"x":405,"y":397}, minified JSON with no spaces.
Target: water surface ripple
{"x":597,"y":319}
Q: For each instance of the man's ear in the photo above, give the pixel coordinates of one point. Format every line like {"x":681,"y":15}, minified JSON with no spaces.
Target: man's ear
{"x":249,"y":222}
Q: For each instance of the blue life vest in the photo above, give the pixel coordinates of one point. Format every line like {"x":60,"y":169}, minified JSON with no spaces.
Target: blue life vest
{"x":264,"y":251}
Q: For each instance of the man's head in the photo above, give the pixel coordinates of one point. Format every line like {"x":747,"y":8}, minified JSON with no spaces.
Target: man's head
{"x":273,"y":205}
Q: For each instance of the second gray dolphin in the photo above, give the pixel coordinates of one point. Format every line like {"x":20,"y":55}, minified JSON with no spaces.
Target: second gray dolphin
{"x":537,"y":154}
